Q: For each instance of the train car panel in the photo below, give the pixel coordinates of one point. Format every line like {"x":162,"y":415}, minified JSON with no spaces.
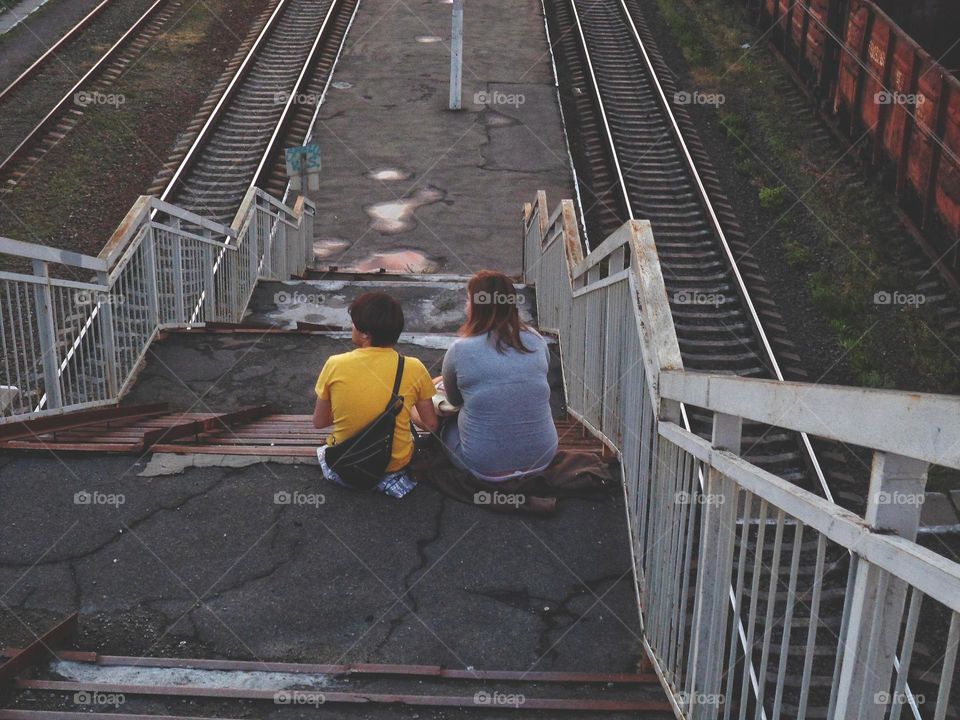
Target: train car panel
{"x":850,"y":69}
{"x":815,"y":38}
{"x":946,"y":184}
{"x":896,"y":118}
{"x":924,"y":108}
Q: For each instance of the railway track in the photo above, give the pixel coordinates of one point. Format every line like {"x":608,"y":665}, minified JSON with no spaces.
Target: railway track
{"x":637,"y":155}
{"x":67,"y":112}
{"x":642,"y":160}
{"x":268,"y":106}
{"x":645,"y":162}
{"x":246,"y":128}
{"x":51,"y":52}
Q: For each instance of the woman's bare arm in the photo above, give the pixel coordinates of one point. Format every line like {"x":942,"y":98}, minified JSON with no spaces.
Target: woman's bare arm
{"x":424,"y":416}
{"x":322,"y":414}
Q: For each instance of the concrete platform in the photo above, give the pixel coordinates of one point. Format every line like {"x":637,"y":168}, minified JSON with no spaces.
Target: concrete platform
{"x":460,"y":177}
{"x":437,"y":308}
{"x":204,"y":372}
{"x":205,"y":563}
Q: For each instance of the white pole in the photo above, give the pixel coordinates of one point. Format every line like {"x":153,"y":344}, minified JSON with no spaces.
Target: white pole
{"x":456,"y":56}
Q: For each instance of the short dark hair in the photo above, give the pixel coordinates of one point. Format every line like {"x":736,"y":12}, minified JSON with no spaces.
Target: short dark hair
{"x":379,"y":316}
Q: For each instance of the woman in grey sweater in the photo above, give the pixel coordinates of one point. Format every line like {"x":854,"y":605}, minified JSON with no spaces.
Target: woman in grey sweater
{"x":497,"y":372}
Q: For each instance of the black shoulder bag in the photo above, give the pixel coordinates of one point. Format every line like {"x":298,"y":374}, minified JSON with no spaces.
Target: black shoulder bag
{"x":362,"y":460}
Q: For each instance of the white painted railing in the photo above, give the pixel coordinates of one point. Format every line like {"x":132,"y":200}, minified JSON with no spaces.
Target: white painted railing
{"x":74,"y":331}
{"x":757,"y":598}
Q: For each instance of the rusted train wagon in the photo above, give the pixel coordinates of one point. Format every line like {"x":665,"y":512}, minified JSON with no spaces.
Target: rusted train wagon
{"x":803,"y":31}
{"x":871,"y":78}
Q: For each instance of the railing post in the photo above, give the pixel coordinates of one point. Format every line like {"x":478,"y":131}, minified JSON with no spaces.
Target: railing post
{"x":877,"y":602}
{"x":47,"y":335}
{"x":178,"y":275}
{"x":308,"y":221}
{"x":253,"y":242}
{"x":282,"y":273}
{"x":714,"y":569}
{"x":456,"y":56}
{"x":209,"y":286}
{"x":108,"y":335}
{"x":269,"y":237}
{"x":526,"y":214}
{"x":150,"y":277}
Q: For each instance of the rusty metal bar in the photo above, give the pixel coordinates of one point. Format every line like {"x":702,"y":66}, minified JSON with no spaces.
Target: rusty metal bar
{"x":378,"y":669}
{"x":349,"y":698}
{"x":72,"y":420}
{"x":67,"y":715}
{"x":222,"y":421}
{"x":38,"y":650}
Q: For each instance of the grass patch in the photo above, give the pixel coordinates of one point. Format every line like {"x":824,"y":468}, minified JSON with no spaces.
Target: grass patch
{"x":839,"y":235}
{"x":687,"y":32}
{"x":773,"y":198}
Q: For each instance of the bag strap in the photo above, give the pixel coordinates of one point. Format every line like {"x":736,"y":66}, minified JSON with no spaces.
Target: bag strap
{"x":396,"y":382}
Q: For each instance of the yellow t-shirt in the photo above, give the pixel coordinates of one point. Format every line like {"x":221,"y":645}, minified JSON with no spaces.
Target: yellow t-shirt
{"x":358,"y":385}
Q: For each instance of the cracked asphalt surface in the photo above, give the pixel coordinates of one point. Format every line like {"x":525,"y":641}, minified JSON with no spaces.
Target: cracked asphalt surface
{"x":207,"y":563}
{"x":208,"y":558}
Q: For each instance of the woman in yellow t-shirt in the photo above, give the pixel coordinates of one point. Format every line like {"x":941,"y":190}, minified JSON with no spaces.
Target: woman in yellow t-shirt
{"x":354,"y":387}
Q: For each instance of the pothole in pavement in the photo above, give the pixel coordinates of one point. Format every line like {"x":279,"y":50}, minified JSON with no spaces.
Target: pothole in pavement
{"x":396,"y":216}
{"x":399,"y":261}
{"x":389,"y":174}
{"x":328,"y":247}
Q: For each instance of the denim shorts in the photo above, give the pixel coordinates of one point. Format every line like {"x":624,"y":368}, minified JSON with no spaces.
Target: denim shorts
{"x":395,"y":484}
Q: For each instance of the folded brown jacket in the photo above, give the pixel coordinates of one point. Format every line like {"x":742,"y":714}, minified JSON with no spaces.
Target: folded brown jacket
{"x":571,"y":474}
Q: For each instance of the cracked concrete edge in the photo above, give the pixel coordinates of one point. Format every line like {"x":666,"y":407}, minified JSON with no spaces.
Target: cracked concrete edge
{"x":175,"y":463}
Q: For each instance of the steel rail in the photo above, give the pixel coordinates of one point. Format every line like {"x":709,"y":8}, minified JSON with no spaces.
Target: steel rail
{"x":603,"y":113}
{"x":51,"y":51}
{"x":288,"y":108}
{"x":228,"y":94}
{"x":721,"y":236}
{"x":707,"y":206}
{"x":754,"y":679}
{"x":323,"y":95}
{"x":68,"y":98}
{"x":277,"y":136}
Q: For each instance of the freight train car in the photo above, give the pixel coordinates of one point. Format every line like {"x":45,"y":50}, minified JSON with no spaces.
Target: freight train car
{"x":869,"y":77}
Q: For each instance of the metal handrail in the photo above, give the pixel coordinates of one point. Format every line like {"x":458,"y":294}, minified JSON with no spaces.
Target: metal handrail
{"x":619,"y":382}
{"x":152,"y":275}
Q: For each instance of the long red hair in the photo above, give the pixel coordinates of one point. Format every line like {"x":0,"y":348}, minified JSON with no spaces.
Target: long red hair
{"x":494,"y":310}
